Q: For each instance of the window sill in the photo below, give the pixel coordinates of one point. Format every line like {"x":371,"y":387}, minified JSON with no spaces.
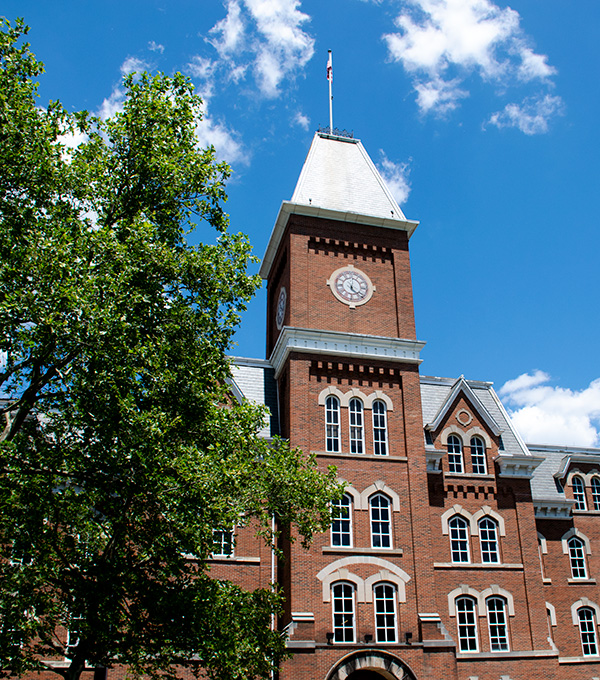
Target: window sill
{"x":468,"y":475}
{"x":582,"y":581}
{"x":592,"y":658}
{"x":234,"y":560}
{"x":477,"y":565}
{"x":534,"y":653}
{"x":362,"y":456}
{"x":335,"y":550}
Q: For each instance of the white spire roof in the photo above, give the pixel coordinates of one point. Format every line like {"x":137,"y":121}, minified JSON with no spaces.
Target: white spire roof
{"x":338,"y":182}
{"x":339,"y":175}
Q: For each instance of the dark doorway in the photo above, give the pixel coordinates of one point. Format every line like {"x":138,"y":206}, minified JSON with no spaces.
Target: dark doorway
{"x":365,"y":675}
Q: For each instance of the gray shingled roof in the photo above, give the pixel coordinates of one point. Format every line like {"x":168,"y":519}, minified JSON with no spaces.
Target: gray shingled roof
{"x":255,"y":380}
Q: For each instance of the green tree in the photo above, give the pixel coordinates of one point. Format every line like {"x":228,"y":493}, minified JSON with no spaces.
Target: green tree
{"x":121,"y":450}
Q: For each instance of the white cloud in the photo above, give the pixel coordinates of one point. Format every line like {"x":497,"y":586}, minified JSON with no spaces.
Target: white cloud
{"x":113,"y":104}
{"x":226,"y":142}
{"x":441,"y":42}
{"x":156,"y":47}
{"x":302,"y":120}
{"x":395,"y":175}
{"x":133,"y":65}
{"x":544,"y":414}
{"x":266,"y":36}
{"x":532,"y":116}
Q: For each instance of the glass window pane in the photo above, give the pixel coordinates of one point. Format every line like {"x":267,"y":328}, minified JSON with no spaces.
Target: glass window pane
{"x":459,"y":539}
{"x":341,"y":525}
{"x":343,"y":612}
{"x":380,"y":521}
{"x":455,"y":460}
{"x":379,"y":428}
{"x":385,"y":613}
{"x":332,"y":424}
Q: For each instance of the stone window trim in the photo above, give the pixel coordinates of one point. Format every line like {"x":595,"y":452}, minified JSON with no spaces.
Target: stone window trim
{"x":344,"y":397}
{"x":473,"y":519}
{"x":543,"y":543}
{"x":551,"y":610}
{"x":465,"y":435}
{"x":480,"y":598}
{"x":378,"y":487}
{"x":388,"y":572}
{"x":584,"y":602}
{"x":575,"y":532}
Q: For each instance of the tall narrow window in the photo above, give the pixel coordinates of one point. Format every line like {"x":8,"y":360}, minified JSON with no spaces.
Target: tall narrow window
{"x":459,"y":539}
{"x":496,"y":612}
{"x":381,"y":535}
{"x":596,"y":492}
{"x":579,"y":493}
{"x":73,"y":634}
{"x":379,"y":428}
{"x":343,"y":612}
{"x":587,"y":629}
{"x":488,"y":540}
{"x":478,"y":456}
{"x":357,"y":439}
{"x":385,"y":612}
{"x":341,"y":525}
{"x":455,"y":458}
{"x":466,"y":621}
{"x":577,"y":558}
{"x":332,"y":424}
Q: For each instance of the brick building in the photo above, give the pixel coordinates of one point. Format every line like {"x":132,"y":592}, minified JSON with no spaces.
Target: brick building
{"x":458,"y":551}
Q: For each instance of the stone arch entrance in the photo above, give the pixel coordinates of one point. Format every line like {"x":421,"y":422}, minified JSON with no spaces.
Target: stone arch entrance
{"x":370,"y":665}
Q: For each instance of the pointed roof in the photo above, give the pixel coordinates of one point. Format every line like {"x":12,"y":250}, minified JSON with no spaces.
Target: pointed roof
{"x":339,"y":181}
{"x":338,"y":174}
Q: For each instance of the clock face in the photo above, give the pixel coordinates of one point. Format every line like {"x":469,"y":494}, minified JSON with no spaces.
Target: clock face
{"x":351,"y":286}
{"x":281,"y":303}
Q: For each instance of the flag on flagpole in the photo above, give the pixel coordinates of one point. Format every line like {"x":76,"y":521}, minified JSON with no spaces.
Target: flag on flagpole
{"x":330,"y":68}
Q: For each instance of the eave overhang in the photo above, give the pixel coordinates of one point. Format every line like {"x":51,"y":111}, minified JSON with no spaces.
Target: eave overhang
{"x":519,"y":467}
{"x":288,"y":208}
{"x":350,"y":345}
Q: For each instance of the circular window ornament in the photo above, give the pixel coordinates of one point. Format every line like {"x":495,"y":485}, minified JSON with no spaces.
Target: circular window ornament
{"x":351,"y":286}
{"x":281,"y":305}
{"x":464,"y":417}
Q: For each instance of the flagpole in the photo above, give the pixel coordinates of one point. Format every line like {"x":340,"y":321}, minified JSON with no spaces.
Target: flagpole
{"x":330,"y":79}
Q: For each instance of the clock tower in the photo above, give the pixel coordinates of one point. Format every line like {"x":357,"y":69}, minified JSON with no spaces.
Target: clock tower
{"x":341,"y":339}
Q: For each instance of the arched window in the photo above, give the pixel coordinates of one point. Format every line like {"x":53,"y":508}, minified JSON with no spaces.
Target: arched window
{"x":381,"y":534}
{"x":379,"y":428}
{"x":496,"y":613}
{"x":577,"y":558}
{"x":455,"y":458}
{"x":478,"y":456}
{"x":488,"y":540}
{"x":579,"y":493}
{"x":385,"y":612}
{"x":343,"y":613}
{"x":357,"y":437}
{"x":459,"y":539}
{"x":587,"y":630}
{"x":466,"y":621}
{"x":341,"y":524}
{"x":596,"y":492}
{"x":332,"y":424}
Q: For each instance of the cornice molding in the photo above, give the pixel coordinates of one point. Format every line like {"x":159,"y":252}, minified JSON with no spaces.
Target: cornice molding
{"x":351,"y":345}
{"x":520,"y":467}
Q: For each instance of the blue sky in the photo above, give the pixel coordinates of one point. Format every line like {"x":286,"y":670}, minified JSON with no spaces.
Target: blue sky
{"x":482,"y":116}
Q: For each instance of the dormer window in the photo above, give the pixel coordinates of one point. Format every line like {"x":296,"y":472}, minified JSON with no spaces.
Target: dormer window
{"x":455,"y":456}
{"x":579,"y":493}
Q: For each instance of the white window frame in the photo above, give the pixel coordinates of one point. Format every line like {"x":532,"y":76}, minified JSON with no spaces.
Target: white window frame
{"x":595,"y":487}
{"x":344,"y":617}
{"x":477,"y":446}
{"x":380,"y":435}
{"x":223,"y":543}
{"x":380,"y":521}
{"x":586,"y":617}
{"x":356,"y":420}
{"x":386,"y":621}
{"x":578,"y":486}
{"x":577,"y":559}
{"x":341,"y":526}
{"x":488,"y":540}
{"x":466,"y":624}
{"x":333,"y":443}
{"x":454,"y":446}
{"x":497,"y":624}
{"x":458,"y":530}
